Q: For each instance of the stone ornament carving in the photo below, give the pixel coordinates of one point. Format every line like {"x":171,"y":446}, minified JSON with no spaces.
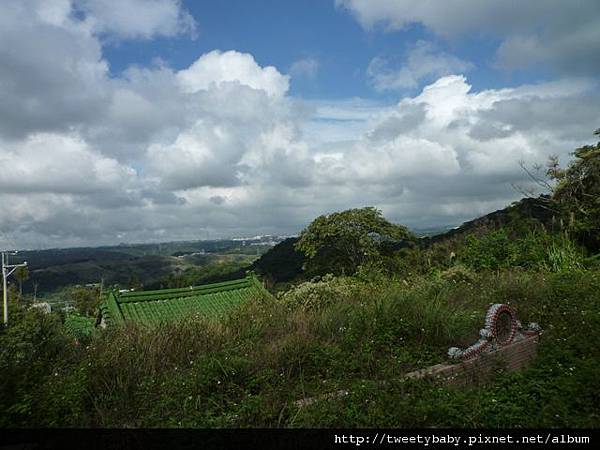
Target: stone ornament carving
{"x":501,"y":328}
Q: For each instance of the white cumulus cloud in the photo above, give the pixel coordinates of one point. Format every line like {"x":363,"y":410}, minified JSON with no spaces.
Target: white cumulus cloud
{"x":563,"y":35}
{"x":216,"y":68}
{"x":305,"y":67}
{"x":131,"y":19}
{"x":422,"y":62}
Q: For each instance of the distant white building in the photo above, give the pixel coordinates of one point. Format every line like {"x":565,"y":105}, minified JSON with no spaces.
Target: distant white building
{"x":43,"y":306}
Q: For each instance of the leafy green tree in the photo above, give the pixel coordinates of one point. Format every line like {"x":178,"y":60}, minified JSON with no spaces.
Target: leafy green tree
{"x":341,"y":242}
{"x":31,"y":346}
{"x":87,"y":300}
{"x":13,"y":297}
{"x":577,"y":194}
{"x":281,"y":263}
{"x":133,"y":281}
{"x":22,"y":275}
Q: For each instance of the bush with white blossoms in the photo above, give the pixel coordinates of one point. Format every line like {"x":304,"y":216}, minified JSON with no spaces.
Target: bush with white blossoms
{"x":320,"y":292}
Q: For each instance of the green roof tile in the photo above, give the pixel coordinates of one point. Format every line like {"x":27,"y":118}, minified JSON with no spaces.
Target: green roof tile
{"x":162,"y":306}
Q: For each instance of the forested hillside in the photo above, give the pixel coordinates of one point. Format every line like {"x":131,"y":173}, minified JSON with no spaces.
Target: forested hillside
{"x":134,"y":265}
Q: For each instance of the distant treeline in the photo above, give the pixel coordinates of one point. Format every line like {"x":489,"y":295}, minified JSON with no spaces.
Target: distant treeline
{"x":125,"y":265}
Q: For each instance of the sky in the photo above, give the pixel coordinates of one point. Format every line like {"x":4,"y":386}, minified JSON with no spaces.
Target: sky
{"x":159,"y":120}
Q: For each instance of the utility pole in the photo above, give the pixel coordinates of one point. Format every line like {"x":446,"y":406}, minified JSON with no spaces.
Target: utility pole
{"x":7,"y":270}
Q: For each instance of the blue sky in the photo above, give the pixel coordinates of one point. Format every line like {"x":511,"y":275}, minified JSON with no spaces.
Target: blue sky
{"x":154,"y":120}
{"x":281,"y":32}
{"x":276,"y":33}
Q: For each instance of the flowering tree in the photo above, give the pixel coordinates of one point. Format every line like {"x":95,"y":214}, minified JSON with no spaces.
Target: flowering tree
{"x":341,"y":242}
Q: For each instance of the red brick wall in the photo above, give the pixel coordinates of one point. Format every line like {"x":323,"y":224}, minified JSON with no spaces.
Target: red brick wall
{"x":511,"y":357}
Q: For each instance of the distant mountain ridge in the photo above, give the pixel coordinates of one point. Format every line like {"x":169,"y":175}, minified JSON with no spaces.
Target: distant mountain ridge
{"x":52,"y":269}
{"x":525,"y":209}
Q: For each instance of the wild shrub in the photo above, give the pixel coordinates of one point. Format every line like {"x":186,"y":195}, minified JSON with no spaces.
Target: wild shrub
{"x":320,"y":292}
{"x":491,"y":251}
{"x":31,"y":347}
{"x":537,"y":250}
{"x":459,"y":273}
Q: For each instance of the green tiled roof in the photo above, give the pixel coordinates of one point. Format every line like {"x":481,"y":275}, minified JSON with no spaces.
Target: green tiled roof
{"x":153,"y":307}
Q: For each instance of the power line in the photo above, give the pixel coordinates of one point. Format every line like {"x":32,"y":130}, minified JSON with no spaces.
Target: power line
{"x":7,"y":270}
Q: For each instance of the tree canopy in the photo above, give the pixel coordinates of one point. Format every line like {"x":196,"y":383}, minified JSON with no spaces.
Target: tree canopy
{"x":341,"y":242}
{"x":577,"y":194}
{"x":22,"y":275}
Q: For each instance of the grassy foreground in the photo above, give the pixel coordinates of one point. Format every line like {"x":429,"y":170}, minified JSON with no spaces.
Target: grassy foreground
{"x":248,"y":369}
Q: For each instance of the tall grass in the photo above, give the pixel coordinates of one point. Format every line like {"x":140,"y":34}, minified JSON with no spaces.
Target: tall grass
{"x":537,"y":250}
{"x":564,"y":255}
{"x":250,"y":367}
